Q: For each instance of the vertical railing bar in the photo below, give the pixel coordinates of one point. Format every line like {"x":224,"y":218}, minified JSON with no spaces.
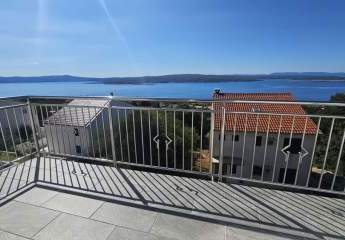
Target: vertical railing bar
{"x":97,"y":132}
{"x":201,"y":136}
{"x":265,"y":150}
{"x":11,"y":134}
{"x":85,"y":131}
{"x":166,"y":141}
{"x":244,"y":143}
{"x":220,"y":167}
{"x":158,"y":146}
{"x":25,"y":129}
{"x":313,"y":152}
{"x":192,"y":143}
{"x":28,"y":142}
{"x":183,"y":140}
{"x":21,"y":143}
{"x":120,"y":134}
{"x":19,"y":134}
{"x":174,"y":139}
{"x":56,"y":130}
{"x":254,"y":145}
{"x":81,"y":140}
{"x":126,"y":125}
{"x":50,"y":127}
{"x":63,"y":142}
{"x":150,"y":137}
{"x":91,"y":134}
{"x":338,"y":161}
{"x":34,"y":134}
{"x":111,"y":129}
{"x":72,"y":126}
{"x":211,"y":143}
{"x":300,"y":154}
{"x":135,"y":139}
{"x":142,"y":136}
{"x":326,"y":153}
{"x":277,"y":147}
{"x":43,"y":126}
{"x":233,"y":143}
{"x":288,"y":152}
{"x":104,"y":136}
{"x":68,"y":136}
{"x":4,"y":139}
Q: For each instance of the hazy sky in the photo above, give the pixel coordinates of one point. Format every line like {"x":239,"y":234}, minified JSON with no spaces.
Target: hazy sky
{"x":153,"y":37}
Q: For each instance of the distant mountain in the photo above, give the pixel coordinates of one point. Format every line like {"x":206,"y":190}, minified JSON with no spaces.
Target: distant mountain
{"x":178,"y":78}
{"x":319,"y":74}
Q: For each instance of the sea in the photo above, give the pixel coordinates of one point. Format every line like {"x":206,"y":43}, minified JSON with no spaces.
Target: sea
{"x":303,"y":90}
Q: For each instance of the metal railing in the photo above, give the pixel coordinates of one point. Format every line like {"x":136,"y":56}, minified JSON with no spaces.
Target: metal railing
{"x":299,"y":150}
{"x":18,"y":141}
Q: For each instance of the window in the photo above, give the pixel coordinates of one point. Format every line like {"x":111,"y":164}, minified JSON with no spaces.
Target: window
{"x":76,"y":132}
{"x":237,"y":138}
{"x":295,"y":146}
{"x":234,"y":168}
{"x":257,"y":170}
{"x":258,"y":141}
{"x":78,"y":149}
{"x":220,"y":135}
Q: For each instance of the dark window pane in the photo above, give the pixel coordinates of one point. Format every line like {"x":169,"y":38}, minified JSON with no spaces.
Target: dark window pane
{"x":237,"y":138}
{"x":78,"y":149}
{"x":258,"y":141}
{"x":295,"y":146}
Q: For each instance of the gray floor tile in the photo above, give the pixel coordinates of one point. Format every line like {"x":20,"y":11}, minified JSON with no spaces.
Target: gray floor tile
{"x":73,"y":204}
{"x":69,"y":227}
{"x":127,"y":234}
{"x":125,"y":216}
{"x":184,"y":228}
{"x":243,"y":234}
{"x":24,"y":219}
{"x":36,"y":196}
{"x":9,"y":236}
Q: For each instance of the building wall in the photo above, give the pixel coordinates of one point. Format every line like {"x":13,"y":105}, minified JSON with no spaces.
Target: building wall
{"x":249,"y":145}
{"x":92,"y":139}
{"x":62,"y":139}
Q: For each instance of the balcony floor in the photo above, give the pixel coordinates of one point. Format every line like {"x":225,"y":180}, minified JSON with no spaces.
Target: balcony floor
{"x":110,"y":203}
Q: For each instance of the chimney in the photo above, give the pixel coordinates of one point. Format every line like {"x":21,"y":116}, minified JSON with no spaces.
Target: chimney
{"x":217,"y":91}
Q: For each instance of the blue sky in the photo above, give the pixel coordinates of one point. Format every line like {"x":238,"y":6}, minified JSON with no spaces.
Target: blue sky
{"x":153,"y":37}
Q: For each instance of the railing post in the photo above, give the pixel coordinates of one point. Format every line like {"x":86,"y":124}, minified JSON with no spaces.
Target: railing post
{"x":211,"y":142}
{"x":110,"y":116}
{"x":34,"y":134}
{"x":220,"y":168}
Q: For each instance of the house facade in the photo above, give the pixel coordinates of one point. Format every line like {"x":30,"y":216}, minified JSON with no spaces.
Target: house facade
{"x":79,"y":129}
{"x":269,"y":142}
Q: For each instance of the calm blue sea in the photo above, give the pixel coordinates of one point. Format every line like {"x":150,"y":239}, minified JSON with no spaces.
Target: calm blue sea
{"x":302,"y":89}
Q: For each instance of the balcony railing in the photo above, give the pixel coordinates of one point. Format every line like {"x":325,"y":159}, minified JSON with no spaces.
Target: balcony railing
{"x":302,"y":150}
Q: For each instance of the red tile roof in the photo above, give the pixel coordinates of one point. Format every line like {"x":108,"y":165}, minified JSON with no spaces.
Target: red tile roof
{"x":264,"y":121}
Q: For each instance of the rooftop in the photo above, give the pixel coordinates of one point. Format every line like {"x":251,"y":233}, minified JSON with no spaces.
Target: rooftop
{"x":76,"y":114}
{"x":88,"y":201}
{"x":248,"y":114}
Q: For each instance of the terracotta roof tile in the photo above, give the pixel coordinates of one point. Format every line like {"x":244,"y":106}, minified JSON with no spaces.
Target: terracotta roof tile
{"x":241,"y":121}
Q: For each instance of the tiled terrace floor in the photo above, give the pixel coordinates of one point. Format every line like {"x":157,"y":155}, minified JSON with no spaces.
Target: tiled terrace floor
{"x":110,"y":203}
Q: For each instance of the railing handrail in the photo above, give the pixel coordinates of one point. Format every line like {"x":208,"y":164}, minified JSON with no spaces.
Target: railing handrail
{"x":181,"y":100}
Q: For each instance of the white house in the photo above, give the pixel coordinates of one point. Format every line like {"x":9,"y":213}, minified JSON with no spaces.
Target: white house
{"x":258,"y":145}
{"x":80,"y":128}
